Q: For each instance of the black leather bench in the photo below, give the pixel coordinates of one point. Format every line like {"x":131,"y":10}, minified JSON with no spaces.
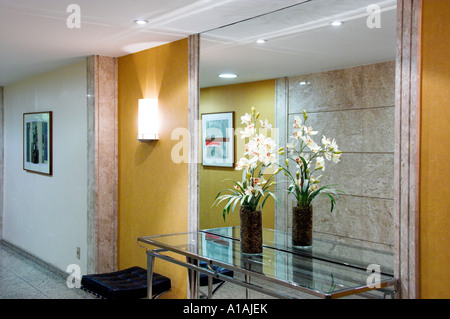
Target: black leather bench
{"x":130,"y":283}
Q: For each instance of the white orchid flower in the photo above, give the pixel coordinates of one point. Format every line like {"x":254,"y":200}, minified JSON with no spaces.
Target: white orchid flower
{"x":246,"y":119}
{"x":242,"y":163}
{"x":265,"y":124}
{"x":309,"y":131}
{"x":326,"y":141}
{"x":249,"y":191}
{"x":320,"y":164}
{"x":258,"y":189}
{"x":254,"y":162}
{"x":333,"y":146}
{"x":260,"y":181}
{"x":268,"y":159}
{"x":249,"y":131}
{"x":291,"y":146}
{"x":297,"y":122}
{"x":260,"y":139}
{"x":336,"y":157}
{"x":297,"y":134}
{"x":311,"y":144}
{"x":270,"y":144}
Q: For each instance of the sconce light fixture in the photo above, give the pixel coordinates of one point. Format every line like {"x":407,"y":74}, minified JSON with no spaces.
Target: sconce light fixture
{"x":148,"y":125}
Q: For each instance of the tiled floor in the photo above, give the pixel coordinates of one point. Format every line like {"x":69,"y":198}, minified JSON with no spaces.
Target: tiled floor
{"x":21,"y":278}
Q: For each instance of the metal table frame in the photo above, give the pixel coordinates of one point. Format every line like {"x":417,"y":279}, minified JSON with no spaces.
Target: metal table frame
{"x":193,"y":258}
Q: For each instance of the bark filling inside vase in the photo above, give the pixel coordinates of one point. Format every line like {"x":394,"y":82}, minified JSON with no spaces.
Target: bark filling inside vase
{"x":251,"y":231}
{"x":302,"y":226}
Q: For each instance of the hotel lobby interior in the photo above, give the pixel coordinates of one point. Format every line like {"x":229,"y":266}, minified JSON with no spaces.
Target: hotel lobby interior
{"x":224,"y":149}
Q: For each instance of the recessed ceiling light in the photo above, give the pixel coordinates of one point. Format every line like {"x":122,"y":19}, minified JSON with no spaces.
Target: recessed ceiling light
{"x":261,"y":41}
{"x":227,"y":76}
{"x":141,"y":21}
{"x":336,"y":23}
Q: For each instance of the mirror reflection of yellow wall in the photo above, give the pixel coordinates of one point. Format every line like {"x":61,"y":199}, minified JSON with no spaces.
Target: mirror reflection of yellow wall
{"x":238,"y":98}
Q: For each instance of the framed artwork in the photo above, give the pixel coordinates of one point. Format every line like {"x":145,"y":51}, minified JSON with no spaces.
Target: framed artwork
{"x":218,"y":139}
{"x":37,"y":142}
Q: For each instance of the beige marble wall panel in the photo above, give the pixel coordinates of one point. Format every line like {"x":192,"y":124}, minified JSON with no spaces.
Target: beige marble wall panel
{"x":360,"y":174}
{"x":363,"y":174}
{"x":331,"y":90}
{"x":345,"y":126}
{"x":356,"y":107}
{"x":378,"y":129}
{"x":363,"y":218}
{"x":362,"y":86}
{"x":378,"y":84}
{"x":361,"y":130}
{"x":360,"y":221}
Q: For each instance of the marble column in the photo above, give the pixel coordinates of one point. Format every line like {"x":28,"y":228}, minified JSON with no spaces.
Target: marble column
{"x":194,"y":133}
{"x":102,"y":164}
{"x":1,"y":161}
{"x":407,"y":147}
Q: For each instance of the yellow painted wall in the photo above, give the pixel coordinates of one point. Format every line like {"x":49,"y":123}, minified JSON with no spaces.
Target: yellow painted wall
{"x":153,"y":190}
{"x":239,"y":98}
{"x":435,"y":152}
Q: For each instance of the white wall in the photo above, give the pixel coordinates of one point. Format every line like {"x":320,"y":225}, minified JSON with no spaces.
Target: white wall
{"x":47,"y":215}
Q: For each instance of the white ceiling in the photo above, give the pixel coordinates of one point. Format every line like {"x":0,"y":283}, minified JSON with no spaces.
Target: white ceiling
{"x":300,"y":40}
{"x":34,"y":36}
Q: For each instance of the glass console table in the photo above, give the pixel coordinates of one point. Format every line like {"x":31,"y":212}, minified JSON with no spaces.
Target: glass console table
{"x":328,"y":270}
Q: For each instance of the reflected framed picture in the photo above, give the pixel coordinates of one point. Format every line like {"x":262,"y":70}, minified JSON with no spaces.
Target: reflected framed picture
{"x":37,"y":142}
{"x":218,"y":139}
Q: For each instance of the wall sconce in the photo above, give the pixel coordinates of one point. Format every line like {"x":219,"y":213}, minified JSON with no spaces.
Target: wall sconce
{"x":148,"y":125}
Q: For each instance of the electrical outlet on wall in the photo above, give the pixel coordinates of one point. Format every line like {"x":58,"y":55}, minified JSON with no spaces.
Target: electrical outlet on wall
{"x":78,"y":252}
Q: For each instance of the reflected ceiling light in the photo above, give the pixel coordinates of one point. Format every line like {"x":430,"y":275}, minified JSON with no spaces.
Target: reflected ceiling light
{"x":336,"y":23}
{"x":227,"y":76}
{"x":140,"y":21}
{"x":261,"y":41}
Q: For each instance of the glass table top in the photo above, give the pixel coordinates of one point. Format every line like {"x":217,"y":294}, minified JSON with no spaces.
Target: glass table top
{"x":326,"y":269}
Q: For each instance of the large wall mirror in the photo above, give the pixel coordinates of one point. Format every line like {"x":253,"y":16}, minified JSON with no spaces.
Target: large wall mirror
{"x":296,"y":59}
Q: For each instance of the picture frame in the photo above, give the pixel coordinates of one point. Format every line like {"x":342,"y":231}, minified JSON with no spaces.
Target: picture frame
{"x":218,"y":139}
{"x":38,"y":142}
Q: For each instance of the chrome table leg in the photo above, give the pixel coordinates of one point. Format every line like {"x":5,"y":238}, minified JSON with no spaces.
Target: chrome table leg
{"x":150,"y":266}
{"x":192,"y":278}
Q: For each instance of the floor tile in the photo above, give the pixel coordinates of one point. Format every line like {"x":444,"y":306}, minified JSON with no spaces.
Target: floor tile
{"x":21,"y":278}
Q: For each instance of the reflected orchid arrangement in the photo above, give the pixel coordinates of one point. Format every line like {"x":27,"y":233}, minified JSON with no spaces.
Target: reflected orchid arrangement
{"x":305,"y":153}
{"x":260,"y":153}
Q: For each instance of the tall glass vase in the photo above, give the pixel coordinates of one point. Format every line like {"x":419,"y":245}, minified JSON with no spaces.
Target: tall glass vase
{"x":302,"y":222}
{"x":251,"y":230}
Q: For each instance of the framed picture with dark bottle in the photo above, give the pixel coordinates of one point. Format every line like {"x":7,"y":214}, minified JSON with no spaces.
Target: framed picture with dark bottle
{"x":37,"y":142}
